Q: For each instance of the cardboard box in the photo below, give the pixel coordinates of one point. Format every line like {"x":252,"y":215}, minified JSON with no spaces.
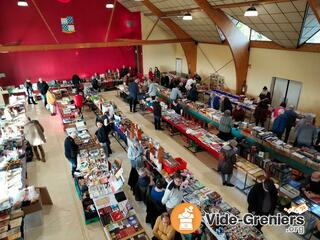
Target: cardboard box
{"x":34,"y":207}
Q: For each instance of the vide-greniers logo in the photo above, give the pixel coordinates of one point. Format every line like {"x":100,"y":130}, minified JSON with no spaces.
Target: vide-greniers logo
{"x":186,"y":218}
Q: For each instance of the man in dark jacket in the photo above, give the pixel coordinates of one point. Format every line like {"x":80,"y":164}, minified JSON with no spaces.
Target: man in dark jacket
{"x":29,"y":91}
{"x":279,"y":124}
{"x":95,"y":82}
{"x":291,"y":116}
{"x":193,"y":93}
{"x":124,"y":71}
{"x":177,"y":107}
{"x":157,"y":114}
{"x":71,"y":150}
{"x":262,"y":199}
{"x":76,"y":81}
{"x":133,"y":95}
{"x":43,"y":88}
{"x":103,"y":138}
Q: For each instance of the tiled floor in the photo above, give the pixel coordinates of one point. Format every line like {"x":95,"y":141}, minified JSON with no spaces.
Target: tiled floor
{"x":64,"y":220}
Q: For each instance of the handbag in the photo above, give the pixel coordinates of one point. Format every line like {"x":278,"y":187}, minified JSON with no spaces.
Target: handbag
{"x":222,"y":158}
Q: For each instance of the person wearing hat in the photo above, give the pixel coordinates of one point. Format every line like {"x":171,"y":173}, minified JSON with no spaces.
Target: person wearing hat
{"x":262,"y":199}
{"x":228,"y":158}
{"x":71,"y":150}
{"x":306,"y":133}
{"x":291,"y":116}
{"x":225,"y":126}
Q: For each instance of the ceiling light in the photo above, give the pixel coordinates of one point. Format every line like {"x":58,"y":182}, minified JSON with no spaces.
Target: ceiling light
{"x":251,"y":12}
{"x":187,"y":17}
{"x":109,"y":4}
{"x":22,"y":3}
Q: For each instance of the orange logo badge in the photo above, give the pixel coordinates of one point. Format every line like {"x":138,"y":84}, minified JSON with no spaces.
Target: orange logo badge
{"x":186,"y":218}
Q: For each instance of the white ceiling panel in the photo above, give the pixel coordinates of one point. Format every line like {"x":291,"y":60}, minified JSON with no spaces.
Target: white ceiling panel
{"x":261,"y":27}
{"x":287,"y":27}
{"x":266,"y":19}
{"x":279,"y":18}
{"x":272,"y":8}
{"x":294,"y":17}
{"x":201,"y":27}
{"x":134,"y":6}
{"x":300,"y":5}
{"x":170,"y":5}
{"x":274,"y":27}
{"x":286,"y":7}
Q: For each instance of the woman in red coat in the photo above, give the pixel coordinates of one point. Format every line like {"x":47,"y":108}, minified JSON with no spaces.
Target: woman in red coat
{"x":79,"y":101}
{"x":151,"y":75}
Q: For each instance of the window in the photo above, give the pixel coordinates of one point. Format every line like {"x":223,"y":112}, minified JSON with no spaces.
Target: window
{"x":315,"y":38}
{"x":246,"y":31}
{"x":222,"y":38}
{"x":255,"y":36}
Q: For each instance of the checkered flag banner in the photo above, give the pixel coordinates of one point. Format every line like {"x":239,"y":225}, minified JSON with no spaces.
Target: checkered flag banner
{"x":67,"y":25}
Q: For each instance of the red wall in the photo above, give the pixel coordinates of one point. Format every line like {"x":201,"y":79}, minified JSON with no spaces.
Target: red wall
{"x":23,"y":25}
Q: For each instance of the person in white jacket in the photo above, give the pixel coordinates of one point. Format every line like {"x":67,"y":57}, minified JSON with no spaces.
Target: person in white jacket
{"x":190,"y":81}
{"x":173,"y":194}
{"x":135,"y":155}
{"x":153,"y":90}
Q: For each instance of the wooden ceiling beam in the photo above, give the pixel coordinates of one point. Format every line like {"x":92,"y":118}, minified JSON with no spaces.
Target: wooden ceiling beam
{"x":272,"y":45}
{"x":315,"y":6}
{"x":110,"y":21}
{"x":44,"y":21}
{"x":48,"y":47}
{"x":190,"y":48}
{"x":238,"y":43}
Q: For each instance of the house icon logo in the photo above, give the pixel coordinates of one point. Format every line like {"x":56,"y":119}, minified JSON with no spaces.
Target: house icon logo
{"x":186,"y":218}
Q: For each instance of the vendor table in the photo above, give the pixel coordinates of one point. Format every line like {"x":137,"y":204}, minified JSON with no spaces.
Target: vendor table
{"x":304,"y":166}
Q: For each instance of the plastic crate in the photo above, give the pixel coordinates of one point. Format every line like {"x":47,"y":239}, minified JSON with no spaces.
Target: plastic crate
{"x":181,"y":166}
